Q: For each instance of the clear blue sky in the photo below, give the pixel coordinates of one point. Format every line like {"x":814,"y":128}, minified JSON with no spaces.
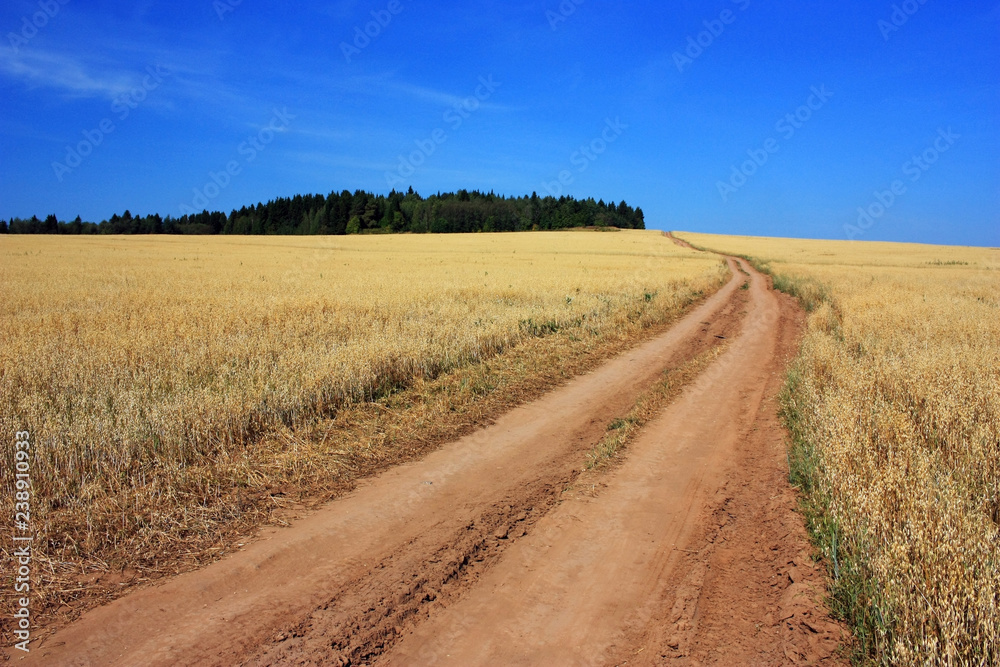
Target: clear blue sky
{"x":189,"y":87}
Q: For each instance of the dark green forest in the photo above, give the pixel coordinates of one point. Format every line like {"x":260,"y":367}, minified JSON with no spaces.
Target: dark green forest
{"x":362,"y":213}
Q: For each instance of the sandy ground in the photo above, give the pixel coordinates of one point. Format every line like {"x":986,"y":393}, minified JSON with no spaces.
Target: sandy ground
{"x":487,"y":551}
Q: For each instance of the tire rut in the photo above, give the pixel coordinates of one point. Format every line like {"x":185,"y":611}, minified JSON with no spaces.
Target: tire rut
{"x":371,"y":612}
{"x":392,"y":599}
{"x":643,"y":571}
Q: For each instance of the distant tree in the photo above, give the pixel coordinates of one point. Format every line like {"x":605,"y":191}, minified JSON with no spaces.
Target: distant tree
{"x":370,"y":214}
{"x":151,"y":224}
{"x":216,"y":222}
{"x":111,"y":225}
{"x":441,"y":226}
{"x":3,"y":226}
{"x":347,"y":212}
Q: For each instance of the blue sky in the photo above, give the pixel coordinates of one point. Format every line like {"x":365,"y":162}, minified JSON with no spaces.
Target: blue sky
{"x":868,"y":120}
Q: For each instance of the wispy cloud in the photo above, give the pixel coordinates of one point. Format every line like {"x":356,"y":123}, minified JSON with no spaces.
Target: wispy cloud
{"x":340,"y":161}
{"x":324,"y":134}
{"x":442,"y":98}
{"x":114,"y":73}
{"x":422,"y":93}
{"x":388,"y":85}
{"x":66,"y":73}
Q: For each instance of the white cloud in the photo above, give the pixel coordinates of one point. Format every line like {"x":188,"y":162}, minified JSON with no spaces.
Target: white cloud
{"x":67,"y":73}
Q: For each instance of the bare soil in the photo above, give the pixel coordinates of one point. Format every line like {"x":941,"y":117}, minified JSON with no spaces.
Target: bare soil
{"x":485,"y":551}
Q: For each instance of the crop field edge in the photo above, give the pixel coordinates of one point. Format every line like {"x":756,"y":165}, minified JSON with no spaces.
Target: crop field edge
{"x":563,"y":355}
{"x":881,"y":618}
{"x":853,"y":597}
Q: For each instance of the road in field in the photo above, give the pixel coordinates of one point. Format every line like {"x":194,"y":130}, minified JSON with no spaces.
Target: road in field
{"x":604,"y":579}
{"x":478,"y":554}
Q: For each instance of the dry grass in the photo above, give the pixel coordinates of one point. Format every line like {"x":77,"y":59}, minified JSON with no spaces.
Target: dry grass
{"x":179,"y":390}
{"x":895,"y":405}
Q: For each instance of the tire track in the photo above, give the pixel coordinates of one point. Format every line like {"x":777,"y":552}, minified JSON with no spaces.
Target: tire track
{"x":626,"y":576}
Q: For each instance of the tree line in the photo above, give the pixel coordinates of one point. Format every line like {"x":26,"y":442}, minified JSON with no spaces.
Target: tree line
{"x":362,"y":212}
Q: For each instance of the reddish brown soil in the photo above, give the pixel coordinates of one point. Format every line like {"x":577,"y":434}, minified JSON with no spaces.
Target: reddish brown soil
{"x":689,"y":551}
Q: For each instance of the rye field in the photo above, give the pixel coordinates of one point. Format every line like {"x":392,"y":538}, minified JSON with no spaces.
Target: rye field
{"x":894,"y":407}
{"x":180,"y":391}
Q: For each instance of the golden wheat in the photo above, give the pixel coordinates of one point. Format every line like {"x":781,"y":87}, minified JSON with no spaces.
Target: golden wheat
{"x":149,"y":370}
{"x":897,"y":389}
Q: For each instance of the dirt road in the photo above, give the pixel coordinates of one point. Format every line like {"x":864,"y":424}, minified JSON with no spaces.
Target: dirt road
{"x":478,"y":554}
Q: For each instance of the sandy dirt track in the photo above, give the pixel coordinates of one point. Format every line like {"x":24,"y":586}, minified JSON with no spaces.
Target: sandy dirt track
{"x":687,"y":552}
